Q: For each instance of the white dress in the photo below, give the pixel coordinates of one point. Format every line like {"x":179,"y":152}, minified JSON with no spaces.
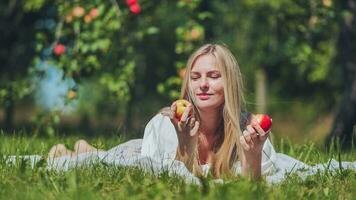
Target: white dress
{"x":160,"y":142}
{"x":155,"y":154}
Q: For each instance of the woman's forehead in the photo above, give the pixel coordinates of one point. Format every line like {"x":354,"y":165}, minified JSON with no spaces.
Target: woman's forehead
{"x":205,"y":62}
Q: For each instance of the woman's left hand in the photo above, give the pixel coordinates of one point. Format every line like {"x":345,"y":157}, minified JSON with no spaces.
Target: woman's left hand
{"x":252,"y":141}
{"x":253,"y":138}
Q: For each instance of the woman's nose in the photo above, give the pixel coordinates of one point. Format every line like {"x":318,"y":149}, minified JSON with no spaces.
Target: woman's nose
{"x":204,"y":84}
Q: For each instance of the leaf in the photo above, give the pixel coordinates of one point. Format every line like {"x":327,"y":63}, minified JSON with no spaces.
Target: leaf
{"x":205,"y":15}
{"x":33,"y":5}
{"x":152,"y":30}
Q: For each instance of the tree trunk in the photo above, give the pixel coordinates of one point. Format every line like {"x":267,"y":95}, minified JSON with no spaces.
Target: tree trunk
{"x":9,"y":113}
{"x":345,"y":120}
{"x":261,"y":91}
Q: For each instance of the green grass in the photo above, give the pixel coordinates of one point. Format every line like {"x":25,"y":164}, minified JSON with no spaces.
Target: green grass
{"x":19,"y":181}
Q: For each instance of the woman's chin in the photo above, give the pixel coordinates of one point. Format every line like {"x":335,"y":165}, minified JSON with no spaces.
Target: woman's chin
{"x":207,"y":104}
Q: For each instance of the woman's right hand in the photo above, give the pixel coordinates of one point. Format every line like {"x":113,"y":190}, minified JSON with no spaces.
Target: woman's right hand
{"x":186,"y":128}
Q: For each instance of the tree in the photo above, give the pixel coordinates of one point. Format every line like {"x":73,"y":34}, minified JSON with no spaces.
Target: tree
{"x":103,"y":42}
{"x":17,"y":34}
{"x":344,"y":126}
{"x":190,"y":33}
{"x":86,"y":40}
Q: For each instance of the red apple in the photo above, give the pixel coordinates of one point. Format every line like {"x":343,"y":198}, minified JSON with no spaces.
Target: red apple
{"x":94,"y":12}
{"x":182,"y":104}
{"x":78,"y":11}
{"x":131,"y":2}
{"x":135,"y":8}
{"x":265,"y":121}
{"x":59,"y":49}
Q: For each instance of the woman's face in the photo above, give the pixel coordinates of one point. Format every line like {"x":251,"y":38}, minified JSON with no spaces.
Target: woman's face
{"x":207,"y":83}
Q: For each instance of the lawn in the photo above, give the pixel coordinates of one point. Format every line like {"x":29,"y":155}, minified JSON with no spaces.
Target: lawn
{"x":19,"y":181}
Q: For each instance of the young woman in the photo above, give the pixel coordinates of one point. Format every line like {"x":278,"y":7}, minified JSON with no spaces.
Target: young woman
{"x":213,"y":85}
{"x":213,"y":134}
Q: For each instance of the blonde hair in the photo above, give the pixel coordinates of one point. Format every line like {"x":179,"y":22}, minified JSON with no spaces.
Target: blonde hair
{"x":229,"y":151}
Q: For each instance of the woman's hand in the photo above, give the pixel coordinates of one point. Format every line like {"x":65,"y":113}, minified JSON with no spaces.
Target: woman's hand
{"x":253,"y":138}
{"x":252,"y":141}
{"x":187,"y":133}
{"x":186,"y":128}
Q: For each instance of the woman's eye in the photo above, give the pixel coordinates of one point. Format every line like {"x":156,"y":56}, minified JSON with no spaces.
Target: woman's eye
{"x":194,"y":77}
{"x":215,"y":76}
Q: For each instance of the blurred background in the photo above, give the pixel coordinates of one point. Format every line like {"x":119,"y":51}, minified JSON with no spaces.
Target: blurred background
{"x":104,"y":68}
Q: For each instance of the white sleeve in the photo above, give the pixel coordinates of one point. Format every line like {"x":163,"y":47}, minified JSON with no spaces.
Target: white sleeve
{"x":160,"y":139}
{"x":268,"y":158}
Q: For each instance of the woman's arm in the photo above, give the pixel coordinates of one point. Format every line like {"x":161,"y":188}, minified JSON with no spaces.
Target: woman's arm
{"x":251,"y":165}
{"x":252,"y":141}
{"x":187,"y":133}
{"x":187,"y":155}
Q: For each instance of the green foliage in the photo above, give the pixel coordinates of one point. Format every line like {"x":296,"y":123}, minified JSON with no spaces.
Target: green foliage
{"x":46,"y":123}
{"x":94,"y":43}
{"x":190,"y":34}
{"x":293,"y":41}
{"x":90,"y":41}
{"x":15,"y":90}
{"x":118,"y":58}
{"x":16,"y":53}
{"x":33,"y":5}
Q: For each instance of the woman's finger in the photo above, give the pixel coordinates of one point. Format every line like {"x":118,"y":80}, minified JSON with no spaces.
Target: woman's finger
{"x":173,"y":112}
{"x":259,"y":130}
{"x":194,"y":130}
{"x":244,"y":143}
{"x":192,"y":122}
{"x":246,"y":135}
{"x":265,"y":136}
{"x":174,"y":107}
{"x":252,"y":131}
{"x":186,"y":112}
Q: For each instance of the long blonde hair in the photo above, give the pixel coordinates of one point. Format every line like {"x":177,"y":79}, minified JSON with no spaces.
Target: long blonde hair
{"x":229,"y":151}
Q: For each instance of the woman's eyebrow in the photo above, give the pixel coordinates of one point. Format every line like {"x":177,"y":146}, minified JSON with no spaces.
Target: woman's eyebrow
{"x":209,"y":72}
{"x":214,"y":71}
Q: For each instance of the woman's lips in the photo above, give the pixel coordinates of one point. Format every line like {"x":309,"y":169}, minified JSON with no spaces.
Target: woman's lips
{"x":204,"y":96}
